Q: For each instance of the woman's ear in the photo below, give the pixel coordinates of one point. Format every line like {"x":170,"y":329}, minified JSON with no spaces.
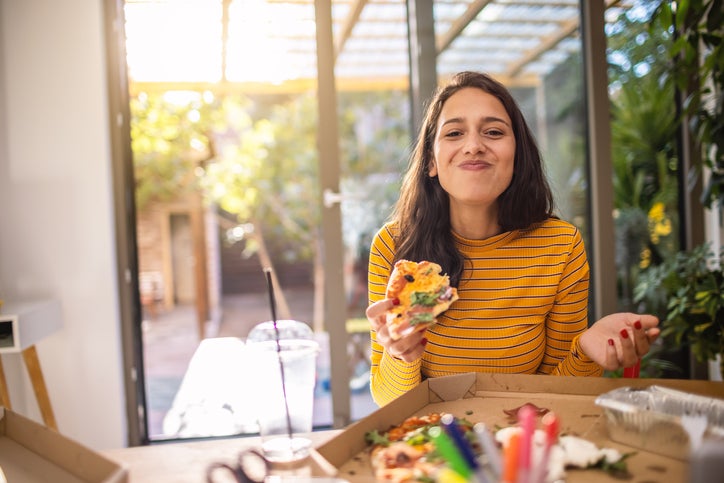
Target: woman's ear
{"x":432,"y":169}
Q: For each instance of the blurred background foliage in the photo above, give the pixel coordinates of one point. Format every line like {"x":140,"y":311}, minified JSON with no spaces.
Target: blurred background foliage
{"x":644,"y":151}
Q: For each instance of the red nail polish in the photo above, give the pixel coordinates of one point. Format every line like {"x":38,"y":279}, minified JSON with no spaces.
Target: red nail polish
{"x":637,"y":325}
{"x":610,"y":341}
{"x":395,"y":301}
{"x":423,"y":341}
{"x":624,"y":333}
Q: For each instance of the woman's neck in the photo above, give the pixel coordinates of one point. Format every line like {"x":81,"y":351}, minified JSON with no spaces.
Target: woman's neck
{"x":475,"y":223}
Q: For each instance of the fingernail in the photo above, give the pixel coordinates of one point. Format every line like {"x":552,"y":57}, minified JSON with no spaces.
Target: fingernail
{"x":423,"y":341}
{"x":395,"y":301}
{"x":610,"y":341}
{"x":637,"y":325}
{"x":624,"y":333}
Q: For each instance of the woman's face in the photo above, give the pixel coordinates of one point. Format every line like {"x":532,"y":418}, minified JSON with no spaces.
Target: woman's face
{"x":474,"y":148}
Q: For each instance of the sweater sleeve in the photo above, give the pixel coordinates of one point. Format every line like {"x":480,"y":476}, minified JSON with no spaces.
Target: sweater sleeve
{"x":389,"y":377}
{"x":568,"y":319}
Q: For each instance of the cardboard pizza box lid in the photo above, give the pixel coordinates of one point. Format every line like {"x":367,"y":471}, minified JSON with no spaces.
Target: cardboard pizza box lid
{"x":31,"y":452}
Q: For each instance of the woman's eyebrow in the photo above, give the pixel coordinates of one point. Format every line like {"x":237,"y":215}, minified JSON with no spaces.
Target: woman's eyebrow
{"x":486,"y":119}
{"x":453,"y":120}
{"x":496,"y":119}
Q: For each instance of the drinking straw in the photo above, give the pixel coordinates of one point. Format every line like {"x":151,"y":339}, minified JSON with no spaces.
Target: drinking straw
{"x":633,"y":371}
{"x":511,"y":452}
{"x":551,"y":426}
{"x":449,"y":452}
{"x":446,"y":475}
{"x":450,"y":424}
{"x":273,"y":305}
{"x":490,"y":449}
{"x":526,"y":420}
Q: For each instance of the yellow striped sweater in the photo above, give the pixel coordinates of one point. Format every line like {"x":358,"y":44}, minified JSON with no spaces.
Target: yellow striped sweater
{"x":522,"y":306}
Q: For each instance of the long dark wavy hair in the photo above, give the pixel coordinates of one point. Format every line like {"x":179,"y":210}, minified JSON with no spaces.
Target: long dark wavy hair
{"x":423,"y":209}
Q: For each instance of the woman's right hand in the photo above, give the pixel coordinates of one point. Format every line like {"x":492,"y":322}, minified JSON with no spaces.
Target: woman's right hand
{"x":409,"y":348}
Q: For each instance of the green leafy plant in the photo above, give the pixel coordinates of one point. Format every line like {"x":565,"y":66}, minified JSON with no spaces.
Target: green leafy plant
{"x":689,"y":291}
{"x":697,"y":71}
{"x":643,"y":141}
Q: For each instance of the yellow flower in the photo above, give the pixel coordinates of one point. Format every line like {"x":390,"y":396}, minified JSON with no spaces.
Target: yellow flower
{"x":645,"y":258}
{"x":657,"y":212}
{"x":659,"y":223}
{"x":663,"y":228}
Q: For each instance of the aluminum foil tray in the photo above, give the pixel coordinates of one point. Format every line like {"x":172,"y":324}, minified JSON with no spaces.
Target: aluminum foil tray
{"x":661,"y":420}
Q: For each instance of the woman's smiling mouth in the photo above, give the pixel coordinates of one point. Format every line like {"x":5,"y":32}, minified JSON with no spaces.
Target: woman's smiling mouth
{"x":475,"y":164}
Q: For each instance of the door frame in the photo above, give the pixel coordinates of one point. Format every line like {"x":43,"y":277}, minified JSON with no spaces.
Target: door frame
{"x":129,"y":304}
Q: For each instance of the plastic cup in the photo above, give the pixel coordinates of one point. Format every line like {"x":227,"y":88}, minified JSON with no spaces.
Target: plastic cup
{"x":284,"y":410}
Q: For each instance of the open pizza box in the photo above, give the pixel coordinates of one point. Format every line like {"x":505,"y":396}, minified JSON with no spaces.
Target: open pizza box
{"x":485,"y":397}
{"x":31,"y":452}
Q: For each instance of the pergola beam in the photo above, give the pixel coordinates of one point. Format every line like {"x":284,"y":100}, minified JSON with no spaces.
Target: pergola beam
{"x":348,"y":26}
{"x":447,"y":38}
{"x":547,"y":43}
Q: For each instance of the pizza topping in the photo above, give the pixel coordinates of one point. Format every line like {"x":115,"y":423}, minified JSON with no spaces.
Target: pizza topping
{"x":422,"y":318}
{"x":422,"y":298}
{"x":403,"y":455}
{"x":407,"y":452}
{"x":423,"y":292}
{"x":513,"y":413}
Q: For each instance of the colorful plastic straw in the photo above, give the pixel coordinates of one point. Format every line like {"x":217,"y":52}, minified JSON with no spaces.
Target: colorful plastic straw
{"x":450,"y":453}
{"x":490,"y":449}
{"x":450,"y":424}
{"x":551,"y":427}
{"x":511,"y":452}
{"x":526,"y":420}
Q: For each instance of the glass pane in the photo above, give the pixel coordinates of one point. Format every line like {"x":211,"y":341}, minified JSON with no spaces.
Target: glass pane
{"x":374,"y":139}
{"x":271,"y":41}
{"x":173,"y":41}
{"x":224,"y":188}
{"x":643,"y":145}
{"x":534,"y":49}
{"x":372,"y":75}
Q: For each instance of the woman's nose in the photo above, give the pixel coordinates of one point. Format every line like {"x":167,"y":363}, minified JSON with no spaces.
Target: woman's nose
{"x":474,"y":143}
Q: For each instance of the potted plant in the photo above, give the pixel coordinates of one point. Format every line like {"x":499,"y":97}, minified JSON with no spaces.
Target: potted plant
{"x":687,"y":292}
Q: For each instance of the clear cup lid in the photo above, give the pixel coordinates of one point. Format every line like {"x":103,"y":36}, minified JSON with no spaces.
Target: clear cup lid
{"x":288,"y":329}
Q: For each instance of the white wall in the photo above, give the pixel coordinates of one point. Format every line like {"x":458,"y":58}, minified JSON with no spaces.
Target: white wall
{"x":56,"y":210}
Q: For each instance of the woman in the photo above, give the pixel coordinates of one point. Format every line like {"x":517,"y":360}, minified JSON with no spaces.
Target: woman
{"x":475,"y":200}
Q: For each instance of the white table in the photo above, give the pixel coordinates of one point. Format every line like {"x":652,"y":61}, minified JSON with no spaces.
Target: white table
{"x":21,"y":326}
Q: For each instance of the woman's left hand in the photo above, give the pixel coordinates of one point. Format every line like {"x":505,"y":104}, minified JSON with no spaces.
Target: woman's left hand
{"x":620,"y":340}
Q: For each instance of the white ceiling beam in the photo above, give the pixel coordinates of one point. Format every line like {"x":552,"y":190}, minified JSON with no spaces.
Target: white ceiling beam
{"x":348,"y":25}
{"x":444,"y":40}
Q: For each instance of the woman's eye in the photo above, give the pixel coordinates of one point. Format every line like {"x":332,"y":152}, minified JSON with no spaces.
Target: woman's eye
{"x":452,"y":134}
{"x":494,"y":132}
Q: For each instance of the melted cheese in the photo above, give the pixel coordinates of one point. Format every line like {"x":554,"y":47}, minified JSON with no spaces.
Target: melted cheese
{"x":426,"y":278}
{"x":417,"y":286}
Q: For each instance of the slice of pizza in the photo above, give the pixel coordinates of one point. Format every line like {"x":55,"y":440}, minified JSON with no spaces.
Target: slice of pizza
{"x":407,"y":452}
{"x":424,"y":293}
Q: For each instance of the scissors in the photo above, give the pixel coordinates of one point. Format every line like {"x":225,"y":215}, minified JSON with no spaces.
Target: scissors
{"x":251,"y":467}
